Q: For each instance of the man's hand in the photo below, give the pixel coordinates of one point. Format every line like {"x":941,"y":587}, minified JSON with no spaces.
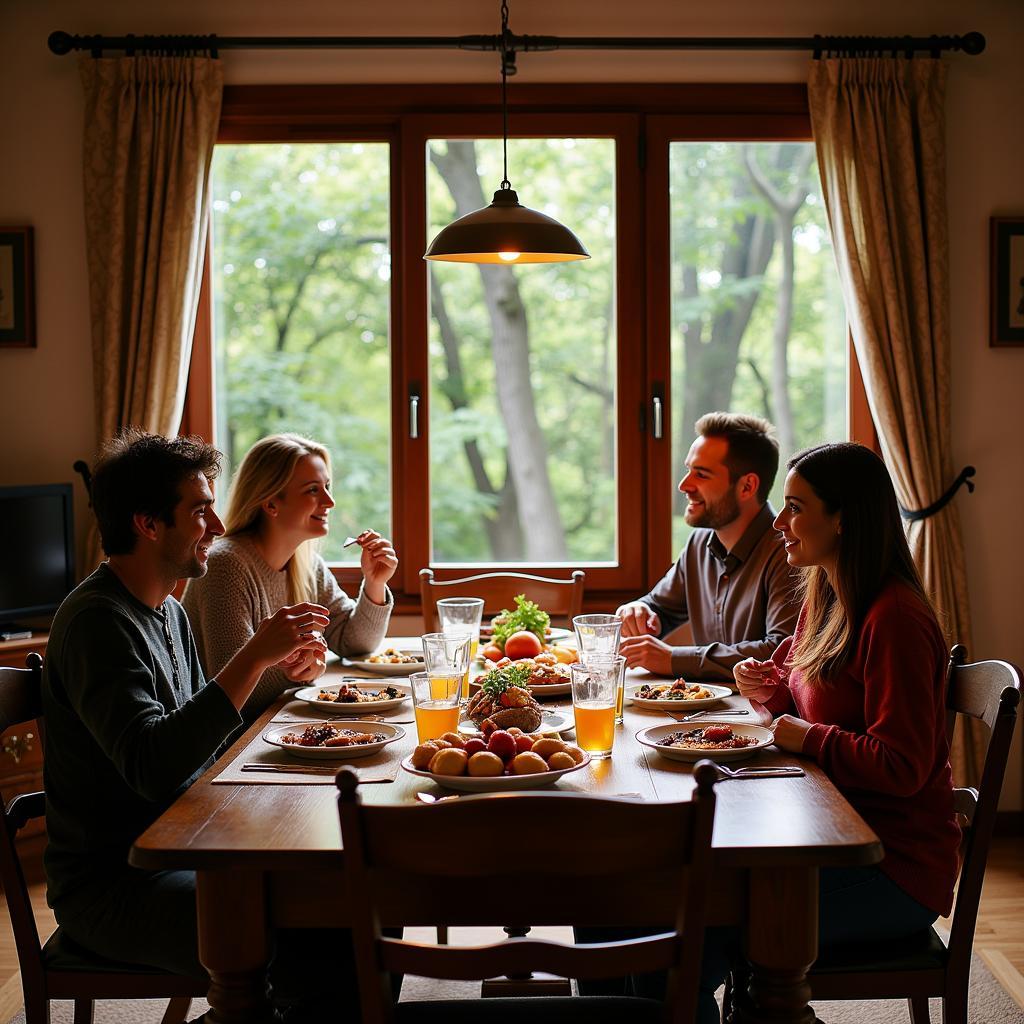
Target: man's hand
{"x":378,"y":563}
{"x":638,"y":619}
{"x":790,"y":733}
{"x":756,"y":680}
{"x":647,"y":652}
{"x":292,"y":629}
{"x":304,"y":666}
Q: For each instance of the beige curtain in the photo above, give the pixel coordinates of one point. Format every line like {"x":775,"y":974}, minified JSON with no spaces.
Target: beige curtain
{"x":879,"y":129}
{"x":150,"y":128}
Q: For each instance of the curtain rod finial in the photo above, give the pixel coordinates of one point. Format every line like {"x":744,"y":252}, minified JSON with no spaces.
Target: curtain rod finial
{"x":973,"y":43}
{"x":60,"y":43}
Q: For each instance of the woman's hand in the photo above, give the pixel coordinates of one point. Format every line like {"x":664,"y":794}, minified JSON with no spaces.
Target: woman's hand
{"x":790,"y":733}
{"x":756,"y":680}
{"x":378,"y":563}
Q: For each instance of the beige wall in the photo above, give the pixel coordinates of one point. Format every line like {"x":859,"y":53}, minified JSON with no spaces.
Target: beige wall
{"x":46,"y":415}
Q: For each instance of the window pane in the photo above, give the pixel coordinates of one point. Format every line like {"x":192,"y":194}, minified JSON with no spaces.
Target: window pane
{"x":757,"y":318}
{"x":522,"y":364}
{"x":301,"y":280}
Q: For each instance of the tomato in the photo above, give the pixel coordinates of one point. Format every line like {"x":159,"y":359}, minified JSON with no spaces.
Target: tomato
{"x":523,"y":644}
{"x":492,"y":652}
{"x":717,"y":733}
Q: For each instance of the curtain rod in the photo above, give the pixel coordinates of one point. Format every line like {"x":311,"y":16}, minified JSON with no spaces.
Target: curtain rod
{"x":972,"y":43}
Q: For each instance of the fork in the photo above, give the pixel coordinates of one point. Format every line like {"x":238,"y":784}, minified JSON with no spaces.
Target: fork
{"x":700,"y":714}
{"x":788,"y":771}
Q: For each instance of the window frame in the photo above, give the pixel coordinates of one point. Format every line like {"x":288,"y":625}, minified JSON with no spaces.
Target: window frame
{"x":644,"y":120}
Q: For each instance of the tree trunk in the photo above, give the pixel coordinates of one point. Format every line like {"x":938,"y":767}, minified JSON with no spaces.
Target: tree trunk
{"x":527,"y":452}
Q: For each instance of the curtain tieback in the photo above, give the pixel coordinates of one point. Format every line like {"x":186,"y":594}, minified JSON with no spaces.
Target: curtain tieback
{"x":963,"y":479}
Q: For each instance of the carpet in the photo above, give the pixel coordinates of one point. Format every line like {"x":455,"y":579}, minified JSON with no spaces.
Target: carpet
{"x":989,"y":1004}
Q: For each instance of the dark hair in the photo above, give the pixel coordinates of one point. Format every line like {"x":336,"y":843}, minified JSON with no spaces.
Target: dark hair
{"x":138,"y":472}
{"x":872,"y":550}
{"x":753,"y":446}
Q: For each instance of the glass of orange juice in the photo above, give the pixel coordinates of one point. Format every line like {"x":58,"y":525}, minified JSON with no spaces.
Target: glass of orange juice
{"x":594,"y":691}
{"x":435,"y":701}
{"x":461,"y":615}
{"x":614,"y":662}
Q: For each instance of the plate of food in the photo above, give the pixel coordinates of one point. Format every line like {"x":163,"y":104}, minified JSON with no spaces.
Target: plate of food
{"x":349,"y":696}
{"x":389,"y":662}
{"x":551,"y":721}
{"x":718,"y":741}
{"x":677,"y":694}
{"x":545,"y":676}
{"x":333,"y":741}
{"x":505,"y":699}
{"x":506,"y":761}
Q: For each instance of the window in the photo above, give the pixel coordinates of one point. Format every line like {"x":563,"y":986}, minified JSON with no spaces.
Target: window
{"x":507,"y":415}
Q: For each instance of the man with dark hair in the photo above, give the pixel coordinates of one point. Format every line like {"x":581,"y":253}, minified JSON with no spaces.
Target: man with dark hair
{"x":731,"y":582}
{"x":130,"y":720}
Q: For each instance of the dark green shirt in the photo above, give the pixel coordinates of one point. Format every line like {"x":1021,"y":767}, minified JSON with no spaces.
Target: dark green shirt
{"x":129,"y":725}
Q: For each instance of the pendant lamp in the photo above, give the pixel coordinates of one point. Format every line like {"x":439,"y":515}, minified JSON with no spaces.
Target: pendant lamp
{"x":506,"y":231}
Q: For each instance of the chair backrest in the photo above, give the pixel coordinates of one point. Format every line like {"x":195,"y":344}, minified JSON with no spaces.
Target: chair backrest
{"x":988,"y":691}
{"x":517,"y":859}
{"x":20,"y":702}
{"x":561,"y":598}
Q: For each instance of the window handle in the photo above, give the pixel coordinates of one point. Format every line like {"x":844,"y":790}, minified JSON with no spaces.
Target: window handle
{"x":657,"y":415}
{"x":414,"y":416}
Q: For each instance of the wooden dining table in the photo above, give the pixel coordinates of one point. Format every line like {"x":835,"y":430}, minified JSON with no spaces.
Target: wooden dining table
{"x":267,"y":853}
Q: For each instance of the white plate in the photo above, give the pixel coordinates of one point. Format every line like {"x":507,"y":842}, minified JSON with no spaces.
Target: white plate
{"x":309,"y":695}
{"x":550,"y":721}
{"x":275,"y":736}
{"x":682,"y":706}
{"x":557,"y":633}
{"x":387,"y":668}
{"x":497,"y":784}
{"x":650,"y":738}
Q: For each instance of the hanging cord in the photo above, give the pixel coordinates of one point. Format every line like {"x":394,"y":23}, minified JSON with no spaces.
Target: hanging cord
{"x":937,"y":506}
{"x":505,"y":183}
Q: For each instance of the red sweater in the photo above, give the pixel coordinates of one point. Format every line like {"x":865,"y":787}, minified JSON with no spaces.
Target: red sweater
{"x":879,"y":735}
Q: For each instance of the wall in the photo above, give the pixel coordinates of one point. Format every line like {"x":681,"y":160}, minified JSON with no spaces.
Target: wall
{"x":46,"y":414}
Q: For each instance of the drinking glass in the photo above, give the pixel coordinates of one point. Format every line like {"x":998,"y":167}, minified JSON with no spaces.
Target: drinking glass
{"x":460,"y":615}
{"x":597,"y":634}
{"x":615,"y":663}
{"x":435,"y":701}
{"x":446,"y":656}
{"x":593,"y":700}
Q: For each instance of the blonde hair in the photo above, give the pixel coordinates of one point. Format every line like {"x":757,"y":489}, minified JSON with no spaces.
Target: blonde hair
{"x":264,"y":474}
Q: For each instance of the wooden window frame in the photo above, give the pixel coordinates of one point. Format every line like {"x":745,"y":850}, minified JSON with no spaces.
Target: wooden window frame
{"x":643,"y":119}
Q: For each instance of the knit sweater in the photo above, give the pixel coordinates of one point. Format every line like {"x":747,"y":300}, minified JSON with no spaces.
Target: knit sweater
{"x":240,"y":590}
{"x":130,"y":724}
{"x":879,"y":734}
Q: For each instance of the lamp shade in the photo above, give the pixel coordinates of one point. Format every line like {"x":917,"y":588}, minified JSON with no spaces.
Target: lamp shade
{"x":506,"y":232}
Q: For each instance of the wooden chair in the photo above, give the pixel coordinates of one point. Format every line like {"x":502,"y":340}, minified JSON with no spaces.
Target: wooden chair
{"x":561,"y":857}
{"x":560,"y":598}
{"x":61,"y":969}
{"x":926,"y":968}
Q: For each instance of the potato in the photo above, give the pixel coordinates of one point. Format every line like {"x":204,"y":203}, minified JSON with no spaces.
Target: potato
{"x":528,"y":764}
{"x":440,"y":743}
{"x":575,"y":753}
{"x":561,"y":759}
{"x":423,"y":754}
{"x":454,"y":739}
{"x":485,"y":764}
{"x":516,"y":731}
{"x":450,"y":761}
{"x":546,"y":747}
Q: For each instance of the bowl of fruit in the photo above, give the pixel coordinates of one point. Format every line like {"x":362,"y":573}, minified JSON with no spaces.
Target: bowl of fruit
{"x":501,"y":759}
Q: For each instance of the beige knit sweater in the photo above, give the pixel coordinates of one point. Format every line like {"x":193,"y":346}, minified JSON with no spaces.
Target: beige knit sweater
{"x":240,"y":590}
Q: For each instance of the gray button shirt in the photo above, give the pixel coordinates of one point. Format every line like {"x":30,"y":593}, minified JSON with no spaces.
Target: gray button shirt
{"x":739,"y":603}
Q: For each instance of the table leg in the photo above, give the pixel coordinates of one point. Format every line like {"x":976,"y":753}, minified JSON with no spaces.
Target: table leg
{"x":782,"y":943}
{"x":234,"y":945}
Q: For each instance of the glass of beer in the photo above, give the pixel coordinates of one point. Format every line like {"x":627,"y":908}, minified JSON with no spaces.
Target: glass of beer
{"x":460,"y":615}
{"x":435,"y":700}
{"x":447,"y":654}
{"x":612,"y":662}
{"x":597,"y":634}
{"x":594,"y":690}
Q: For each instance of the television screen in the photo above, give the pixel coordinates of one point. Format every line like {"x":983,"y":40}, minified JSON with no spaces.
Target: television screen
{"x":37,"y":564}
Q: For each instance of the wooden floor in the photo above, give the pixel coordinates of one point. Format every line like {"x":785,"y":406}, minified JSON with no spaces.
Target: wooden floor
{"x":999,"y":937}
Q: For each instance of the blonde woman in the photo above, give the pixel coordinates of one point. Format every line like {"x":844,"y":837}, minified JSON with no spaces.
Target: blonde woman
{"x":279,"y":508}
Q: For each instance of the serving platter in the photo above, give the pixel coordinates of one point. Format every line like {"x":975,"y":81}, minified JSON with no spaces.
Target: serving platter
{"x":310,"y":694}
{"x":551,"y":721}
{"x":651,"y":737}
{"x":719,"y":693}
{"x":497,"y":783}
{"x":275,"y":736}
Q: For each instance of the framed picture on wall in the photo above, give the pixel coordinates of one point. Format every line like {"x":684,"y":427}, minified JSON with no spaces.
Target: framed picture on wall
{"x":1006,"y":274}
{"x":17,"y":289}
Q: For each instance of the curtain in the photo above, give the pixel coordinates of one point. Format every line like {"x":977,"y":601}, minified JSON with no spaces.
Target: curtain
{"x":150,"y":128}
{"x":879,"y":130}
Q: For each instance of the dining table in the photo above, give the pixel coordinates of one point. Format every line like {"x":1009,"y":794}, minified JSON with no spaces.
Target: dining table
{"x":266,"y":848}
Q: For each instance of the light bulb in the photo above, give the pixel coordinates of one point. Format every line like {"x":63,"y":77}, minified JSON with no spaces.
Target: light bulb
{"x":509,"y":257}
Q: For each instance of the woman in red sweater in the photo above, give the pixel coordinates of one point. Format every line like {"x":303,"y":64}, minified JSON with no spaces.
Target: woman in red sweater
{"x":860,"y":688}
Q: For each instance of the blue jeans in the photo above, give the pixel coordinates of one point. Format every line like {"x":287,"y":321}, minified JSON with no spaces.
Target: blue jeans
{"x":854,"y":905}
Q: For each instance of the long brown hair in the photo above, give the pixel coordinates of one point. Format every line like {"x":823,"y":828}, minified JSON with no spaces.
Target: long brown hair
{"x":872,"y":551}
